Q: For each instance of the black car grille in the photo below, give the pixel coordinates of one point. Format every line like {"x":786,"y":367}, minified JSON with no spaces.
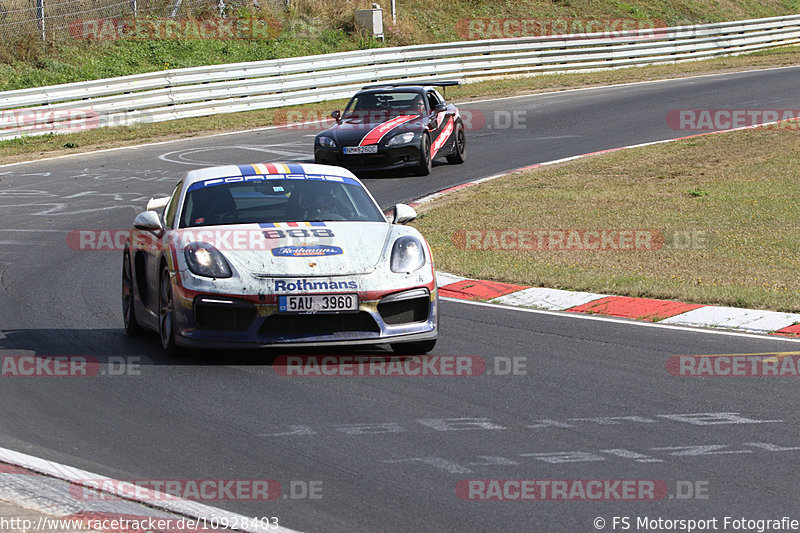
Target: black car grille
{"x":363,"y":160}
{"x":319,"y":324}
{"x":223,"y":314}
{"x":404,"y":311}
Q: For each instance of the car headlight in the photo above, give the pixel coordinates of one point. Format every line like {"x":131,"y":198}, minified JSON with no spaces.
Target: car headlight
{"x":408,"y":255}
{"x":326,"y":141}
{"x":205,"y":260}
{"x":403,"y":138}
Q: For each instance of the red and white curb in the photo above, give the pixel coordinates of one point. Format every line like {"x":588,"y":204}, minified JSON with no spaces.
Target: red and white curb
{"x":648,"y":309}
{"x":651,"y":310}
{"x":49,"y":487}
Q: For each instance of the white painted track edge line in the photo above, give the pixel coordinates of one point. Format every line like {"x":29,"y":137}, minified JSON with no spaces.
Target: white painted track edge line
{"x":630,"y":322}
{"x":82,"y":477}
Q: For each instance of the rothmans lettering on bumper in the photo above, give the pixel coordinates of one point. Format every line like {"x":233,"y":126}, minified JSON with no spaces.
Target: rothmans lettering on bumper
{"x":306,"y":285}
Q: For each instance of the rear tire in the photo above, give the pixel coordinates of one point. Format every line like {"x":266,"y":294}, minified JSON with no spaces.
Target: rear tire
{"x":425,"y":164}
{"x":132,"y":327}
{"x":413,"y":348}
{"x":459,"y":154}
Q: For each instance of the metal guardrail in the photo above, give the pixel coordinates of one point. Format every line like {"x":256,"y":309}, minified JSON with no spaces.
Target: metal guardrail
{"x":202,"y":91}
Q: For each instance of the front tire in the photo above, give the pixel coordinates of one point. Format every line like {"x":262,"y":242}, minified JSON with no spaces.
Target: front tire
{"x":459,"y":154}
{"x":413,"y":348}
{"x":132,"y":327}
{"x":166,"y":314}
{"x":425,"y":164}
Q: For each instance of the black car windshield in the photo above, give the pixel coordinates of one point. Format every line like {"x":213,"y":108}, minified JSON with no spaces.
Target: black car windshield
{"x":389,"y":102}
{"x":277,"y":200}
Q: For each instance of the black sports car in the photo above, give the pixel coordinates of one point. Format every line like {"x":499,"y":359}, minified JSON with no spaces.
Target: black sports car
{"x":400,"y":125}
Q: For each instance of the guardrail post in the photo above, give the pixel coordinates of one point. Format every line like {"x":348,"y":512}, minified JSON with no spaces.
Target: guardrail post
{"x":175,"y":7}
{"x":40,"y":16}
{"x":133,"y":7}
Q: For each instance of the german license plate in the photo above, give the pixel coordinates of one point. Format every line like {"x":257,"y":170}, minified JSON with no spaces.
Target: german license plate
{"x":318,"y":303}
{"x":368,"y":149}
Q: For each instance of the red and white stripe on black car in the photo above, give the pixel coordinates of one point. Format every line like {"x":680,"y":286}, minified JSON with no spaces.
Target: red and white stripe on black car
{"x":377,"y":133}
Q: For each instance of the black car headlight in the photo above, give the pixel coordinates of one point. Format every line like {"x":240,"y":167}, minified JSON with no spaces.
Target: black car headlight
{"x":408,"y":254}
{"x":403,"y":138}
{"x":205,"y":260}
{"x":327,"y":142}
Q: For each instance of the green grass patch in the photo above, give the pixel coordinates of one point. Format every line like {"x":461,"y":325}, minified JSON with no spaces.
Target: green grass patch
{"x":734,"y":244}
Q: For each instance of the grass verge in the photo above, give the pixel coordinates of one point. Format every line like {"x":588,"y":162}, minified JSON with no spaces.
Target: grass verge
{"x":37,"y":147}
{"x":724,"y":204}
{"x":303,"y":27}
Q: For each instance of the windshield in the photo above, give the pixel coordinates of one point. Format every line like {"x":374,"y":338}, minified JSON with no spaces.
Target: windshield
{"x":277,"y":200}
{"x":390,"y":102}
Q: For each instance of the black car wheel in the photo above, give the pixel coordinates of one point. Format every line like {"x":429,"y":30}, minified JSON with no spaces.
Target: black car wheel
{"x":425,"y":164}
{"x":132,"y":327}
{"x":459,"y":154}
{"x":166,"y":314}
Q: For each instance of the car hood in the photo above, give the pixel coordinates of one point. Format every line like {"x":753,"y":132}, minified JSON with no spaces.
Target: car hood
{"x":296,"y":249}
{"x":371,"y":129}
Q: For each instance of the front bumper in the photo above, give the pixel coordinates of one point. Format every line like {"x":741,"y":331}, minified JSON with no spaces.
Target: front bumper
{"x":386,"y":158}
{"x":242,"y":321}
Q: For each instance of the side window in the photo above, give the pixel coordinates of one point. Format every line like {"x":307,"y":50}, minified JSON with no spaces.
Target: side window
{"x":433,"y":99}
{"x":172,"y":207}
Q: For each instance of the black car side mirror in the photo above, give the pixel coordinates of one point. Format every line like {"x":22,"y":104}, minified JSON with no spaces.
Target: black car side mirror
{"x":440,"y":108}
{"x":337,"y":115}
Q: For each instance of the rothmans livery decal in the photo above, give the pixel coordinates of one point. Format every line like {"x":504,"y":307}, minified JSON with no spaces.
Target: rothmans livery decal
{"x":377,"y":133}
{"x":306,"y":285}
{"x":285,"y":225}
{"x":314,"y":250}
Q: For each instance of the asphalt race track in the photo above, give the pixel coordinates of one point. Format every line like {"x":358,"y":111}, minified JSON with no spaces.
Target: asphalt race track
{"x":390,"y":451}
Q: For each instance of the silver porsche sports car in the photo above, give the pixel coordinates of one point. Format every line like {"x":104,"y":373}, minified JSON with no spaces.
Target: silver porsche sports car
{"x":278,"y":254}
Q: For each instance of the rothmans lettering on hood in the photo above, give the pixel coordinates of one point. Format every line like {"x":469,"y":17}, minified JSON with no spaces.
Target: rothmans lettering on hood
{"x":306,"y":250}
{"x":306,"y":285}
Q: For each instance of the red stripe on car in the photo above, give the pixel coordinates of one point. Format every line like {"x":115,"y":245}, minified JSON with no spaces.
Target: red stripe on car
{"x":442,"y":138}
{"x":378,"y":132}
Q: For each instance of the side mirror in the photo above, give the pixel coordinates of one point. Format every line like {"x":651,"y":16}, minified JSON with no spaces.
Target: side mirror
{"x":440,"y":108}
{"x":148,"y":221}
{"x":403,"y":214}
{"x":337,"y":116}
{"x":157,"y":203}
